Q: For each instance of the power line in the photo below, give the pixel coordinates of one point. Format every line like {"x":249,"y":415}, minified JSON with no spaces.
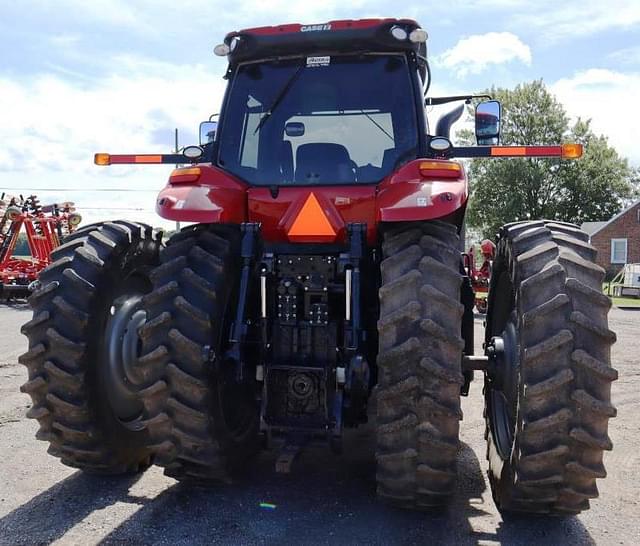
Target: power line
{"x":80,"y":208}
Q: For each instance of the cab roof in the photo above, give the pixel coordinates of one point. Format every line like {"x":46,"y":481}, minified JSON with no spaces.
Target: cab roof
{"x":342,"y":36}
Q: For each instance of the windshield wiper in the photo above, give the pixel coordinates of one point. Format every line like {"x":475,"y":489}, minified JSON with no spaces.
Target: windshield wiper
{"x":378,"y":125}
{"x":279,"y":97}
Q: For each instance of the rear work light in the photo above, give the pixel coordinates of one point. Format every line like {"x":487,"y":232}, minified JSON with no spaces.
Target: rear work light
{"x":418,"y":36}
{"x":440,"y":169}
{"x":222,"y":50}
{"x":184,"y":176}
{"x":399,"y":33}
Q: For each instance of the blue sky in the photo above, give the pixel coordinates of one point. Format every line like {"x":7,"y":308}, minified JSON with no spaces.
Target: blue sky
{"x":80,"y":76}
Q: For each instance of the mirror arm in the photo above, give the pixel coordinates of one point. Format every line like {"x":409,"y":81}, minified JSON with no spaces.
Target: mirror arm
{"x":434,"y":101}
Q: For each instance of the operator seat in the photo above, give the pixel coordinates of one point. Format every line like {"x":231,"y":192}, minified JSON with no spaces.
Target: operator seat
{"x":324,"y":163}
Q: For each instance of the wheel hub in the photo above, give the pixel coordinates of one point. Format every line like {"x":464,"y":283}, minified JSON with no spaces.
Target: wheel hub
{"x":121,"y":358}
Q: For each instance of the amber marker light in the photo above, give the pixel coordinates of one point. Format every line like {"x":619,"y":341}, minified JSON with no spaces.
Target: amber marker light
{"x":508,"y":151}
{"x":102,"y":159}
{"x":572,"y":151}
{"x":146,"y":158}
{"x":440,"y":169}
{"x":183,"y":176}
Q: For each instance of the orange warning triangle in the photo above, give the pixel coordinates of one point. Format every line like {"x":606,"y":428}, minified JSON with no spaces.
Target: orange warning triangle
{"x":311,"y":220}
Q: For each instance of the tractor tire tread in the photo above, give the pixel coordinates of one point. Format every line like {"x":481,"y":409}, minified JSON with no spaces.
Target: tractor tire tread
{"x":186,"y":312}
{"x":419,"y":360}
{"x":565,"y":404}
{"x":57,"y":359}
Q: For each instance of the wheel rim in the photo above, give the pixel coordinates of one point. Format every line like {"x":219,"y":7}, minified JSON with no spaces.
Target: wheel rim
{"x":503,"y":393}
{"x":121,"y":354}
{"x":503,"y":376}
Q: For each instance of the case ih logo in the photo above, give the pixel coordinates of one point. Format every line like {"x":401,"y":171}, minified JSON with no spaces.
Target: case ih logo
{"x":311,"y":28}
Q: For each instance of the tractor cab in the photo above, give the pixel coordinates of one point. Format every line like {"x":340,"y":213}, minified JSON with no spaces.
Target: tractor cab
{"x":339,"y":103}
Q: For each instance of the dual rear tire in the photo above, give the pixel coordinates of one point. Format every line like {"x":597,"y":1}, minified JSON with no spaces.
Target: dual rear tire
{"x":125,"y":353}
{"x":83,"y":390}
{"x":548,"y":399}
{"x":548,"y":386}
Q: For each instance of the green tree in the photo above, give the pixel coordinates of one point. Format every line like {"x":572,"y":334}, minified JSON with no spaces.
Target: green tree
{"x":592,"y":188}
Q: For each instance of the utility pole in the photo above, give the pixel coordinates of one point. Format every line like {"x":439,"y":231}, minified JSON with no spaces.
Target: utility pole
{"x":176,"y":151}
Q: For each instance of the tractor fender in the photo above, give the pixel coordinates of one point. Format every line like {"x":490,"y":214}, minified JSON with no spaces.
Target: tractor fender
{"x":407,"y":195}
{"x":203,"y":194}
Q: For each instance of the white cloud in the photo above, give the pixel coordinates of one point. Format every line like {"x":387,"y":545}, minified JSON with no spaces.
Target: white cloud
{"x":473,"y":54}
{"x":119,"y":12}
{"x":52,"y":127}
{"x":603,"y":95}
{"x":146,"y":16}
{"x":554,"y":21}
{"x":627,"y":56}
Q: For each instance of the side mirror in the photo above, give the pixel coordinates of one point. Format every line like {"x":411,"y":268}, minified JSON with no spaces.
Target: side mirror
{"x":488,"y":123}
{"x":208,"y":132}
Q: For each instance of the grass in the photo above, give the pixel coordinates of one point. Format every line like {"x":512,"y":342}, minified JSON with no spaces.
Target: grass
{"x":618,"y":302}
{"x":626,"y":302}
{"x":607,"y":288}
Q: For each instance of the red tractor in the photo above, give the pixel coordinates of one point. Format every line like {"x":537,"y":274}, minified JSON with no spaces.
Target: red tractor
{"x":43,"y":226}
{"x":322,"y":271}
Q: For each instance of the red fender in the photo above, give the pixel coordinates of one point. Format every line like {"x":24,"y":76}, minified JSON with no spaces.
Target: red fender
{"x":210,"y":196}
{"x":410,"y":194}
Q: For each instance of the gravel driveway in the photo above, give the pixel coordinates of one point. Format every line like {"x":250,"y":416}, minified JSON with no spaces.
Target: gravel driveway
{"x":326,"y":499}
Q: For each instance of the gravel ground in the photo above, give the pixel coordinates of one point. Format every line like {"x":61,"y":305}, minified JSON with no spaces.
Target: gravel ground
{"x":326,"y":499}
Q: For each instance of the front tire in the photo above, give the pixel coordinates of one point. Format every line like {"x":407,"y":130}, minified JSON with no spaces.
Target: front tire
{"x":419,"y":363}
{"x":548,"y":397}
{"x":82,"y":397}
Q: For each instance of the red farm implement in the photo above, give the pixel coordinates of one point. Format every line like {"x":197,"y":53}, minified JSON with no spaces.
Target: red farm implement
{"x":44,"y":227}
{"x":480,"y":277}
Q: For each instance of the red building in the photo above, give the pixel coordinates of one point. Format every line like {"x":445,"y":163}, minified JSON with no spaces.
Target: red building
{"x":618,"y":240}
